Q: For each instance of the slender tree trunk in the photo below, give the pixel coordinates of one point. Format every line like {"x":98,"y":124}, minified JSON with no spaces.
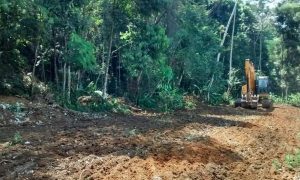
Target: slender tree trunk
{"x":65,"y":80}
{"x":43,"y":71}
{"x":254,"y":48}
{"x":232,"y":41}
{"x":97,"y":80}
{"x":260,"y":50}
{"x":55,"y":68}
{"x":231,"y":54}
{"x":261,"y":7}
{"x":138,"y":87}
{"x":107,"y":63}
{"x":282,"y":59}
{"x":78,"y":80}
{"x":286,"y":92}
{"x":34,"y":69}
{"x":102,"y":64}
{"x":221,"y":45}
{"x":226,"y":30}
{"x":180,"y":79}
{"x":119,"y":73}
{"x":69,"y":83}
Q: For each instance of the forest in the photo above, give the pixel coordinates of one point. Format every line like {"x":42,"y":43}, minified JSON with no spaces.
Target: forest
{"x":152,"y":53}
{"x":134,"y":80}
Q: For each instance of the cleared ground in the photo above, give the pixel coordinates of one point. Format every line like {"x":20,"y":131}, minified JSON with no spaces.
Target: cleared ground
{"x":206,"y":143}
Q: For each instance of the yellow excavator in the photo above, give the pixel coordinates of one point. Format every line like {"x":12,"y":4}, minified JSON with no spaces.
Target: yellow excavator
{"x":255,"y":91}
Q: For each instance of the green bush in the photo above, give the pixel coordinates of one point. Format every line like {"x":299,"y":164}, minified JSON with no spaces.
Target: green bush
{"x":148,"y":101}
{"x":165,"y":99}
{"x":293,"y":99}
{"x":228,"y":99}
{"x":278,"y":100}
{"x":170,"y":98}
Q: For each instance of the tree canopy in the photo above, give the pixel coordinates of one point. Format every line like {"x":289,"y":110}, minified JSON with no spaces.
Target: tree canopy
{"x":148,"y":51}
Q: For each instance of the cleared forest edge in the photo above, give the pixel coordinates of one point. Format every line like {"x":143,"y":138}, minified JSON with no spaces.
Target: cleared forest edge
{"x":206,"y":143}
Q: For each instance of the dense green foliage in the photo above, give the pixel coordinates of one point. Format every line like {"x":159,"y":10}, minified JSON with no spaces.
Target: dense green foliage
{"x":292,"y":99}
{"x":150,"y":52}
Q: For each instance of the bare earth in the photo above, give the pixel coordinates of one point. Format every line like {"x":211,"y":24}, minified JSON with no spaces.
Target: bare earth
{"x":206,"y":143}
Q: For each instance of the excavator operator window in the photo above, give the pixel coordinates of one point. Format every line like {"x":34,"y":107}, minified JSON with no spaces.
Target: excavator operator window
{"x":263,"y":84}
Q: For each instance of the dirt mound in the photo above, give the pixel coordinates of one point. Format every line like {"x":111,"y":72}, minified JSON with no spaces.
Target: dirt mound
{"x":206,"y":143}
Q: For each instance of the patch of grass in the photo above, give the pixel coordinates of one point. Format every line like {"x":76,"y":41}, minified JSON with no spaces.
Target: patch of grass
{"x":277,"y":165}
{"x":17,"y":139}
{"x":293,"y":160}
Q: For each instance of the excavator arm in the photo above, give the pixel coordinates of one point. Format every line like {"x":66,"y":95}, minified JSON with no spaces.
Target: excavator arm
{"x":249,"y":96}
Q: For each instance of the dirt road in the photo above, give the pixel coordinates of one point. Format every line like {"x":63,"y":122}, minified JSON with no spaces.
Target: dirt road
{"x":206,"y":143}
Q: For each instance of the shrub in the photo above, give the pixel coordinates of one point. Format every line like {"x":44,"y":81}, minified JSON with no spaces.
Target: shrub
{"x":165,"y":99}
{"x":293,"y":99}
{"x":170,"y":98}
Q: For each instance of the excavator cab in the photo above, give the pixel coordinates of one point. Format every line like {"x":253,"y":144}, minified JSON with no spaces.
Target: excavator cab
{"x":263,"y":90}
{"x":262,"y":84}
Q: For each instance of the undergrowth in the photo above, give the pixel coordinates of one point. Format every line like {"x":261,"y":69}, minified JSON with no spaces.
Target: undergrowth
{"x":293,"y":99}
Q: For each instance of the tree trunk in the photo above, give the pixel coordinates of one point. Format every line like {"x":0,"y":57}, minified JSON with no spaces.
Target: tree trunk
{"x":43,"y":71}
{"x":231,"y":54}
{"x":221,"y":45}
{"x":119,"y":73}
{"x":232,"y":41}
{"x":171,"y":18}
{"x":260,"y":50}
{"x":286,"y":92}
{"x":55,"y":68}
{"x":180,"y":79}
{"x":138,"y":87}
{"x":226,"y":30}
{"x":78,"y":80}
{"x":69,"y":83}
{"x":65,"y":79}
{"x":107,"y":63}
{"x":34,"y":69}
